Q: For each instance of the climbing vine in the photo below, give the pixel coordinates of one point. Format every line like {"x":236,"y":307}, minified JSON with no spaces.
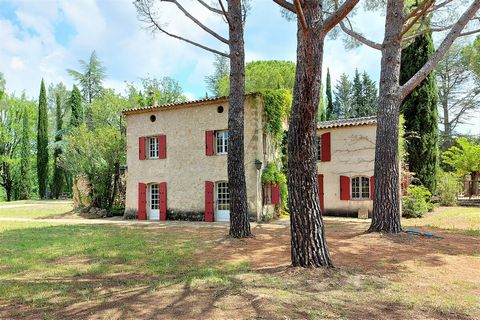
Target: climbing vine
{"x":272,"y":175}
{"x":277,"y":106}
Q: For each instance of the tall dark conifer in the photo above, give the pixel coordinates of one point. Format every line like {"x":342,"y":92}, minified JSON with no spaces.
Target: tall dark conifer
{"x":58,"y":173}
{"x":24,"y":184}
{"x":329,"y":95}
{"x":76,"y":106}
{"x":42,"y":143}
{"x":420,"y":111}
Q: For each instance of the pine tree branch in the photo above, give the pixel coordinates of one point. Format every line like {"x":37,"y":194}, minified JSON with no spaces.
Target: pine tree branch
{"x":146,"y":16}
{"x":225,"y":13}
{"x":338,"y":15}
{"x":300,"y":15}
{"x":286,"y":5}
{"x":447,"y":42}
{"x":425,"y":6}
{"x":467,"y":33}
{"x":215,"y":10}
{"x":196,"y":21}
{"x":357,"y":36}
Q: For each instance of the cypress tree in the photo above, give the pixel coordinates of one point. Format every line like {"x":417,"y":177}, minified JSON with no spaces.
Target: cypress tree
{"x":321,"y":116}
{"x":25,"y":187}
{"x":76,"y":106}
{"x":420,"y":112}
{"x":58,"y":173}
{"x":329,"y":112}
{"x":42,"y":143}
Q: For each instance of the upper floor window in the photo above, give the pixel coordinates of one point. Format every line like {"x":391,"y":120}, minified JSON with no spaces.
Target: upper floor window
{"x":360,"y":188}
{"x":221,"y":138}
{"x":319,"y":148}
{"x":153,"y":148}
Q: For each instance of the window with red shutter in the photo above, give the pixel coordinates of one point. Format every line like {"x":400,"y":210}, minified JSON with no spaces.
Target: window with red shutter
{"x":209,"y":142}
{"x":325,"y":146}
{"x":162,"y":144}
{"x":209,"y":201}
{"x":141,"y":148}
{"x":163,"y":200}
{"x":344,"y":188}
{"x":142,"y":201}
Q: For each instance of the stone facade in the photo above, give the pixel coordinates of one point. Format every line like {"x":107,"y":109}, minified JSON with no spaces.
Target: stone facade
{"x":352,"y":149}
{"x":186,"y":166}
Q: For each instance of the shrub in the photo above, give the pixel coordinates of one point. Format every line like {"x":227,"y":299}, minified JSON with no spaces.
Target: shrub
{"x":130,"y":214}
{"x":417,"y":202}
{"x":448,"y":187}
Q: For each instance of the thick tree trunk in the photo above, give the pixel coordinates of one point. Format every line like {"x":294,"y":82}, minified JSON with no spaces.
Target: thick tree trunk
{"x":239,"y":224}
{"x":308,"y":244}
{"x":386,"y":204}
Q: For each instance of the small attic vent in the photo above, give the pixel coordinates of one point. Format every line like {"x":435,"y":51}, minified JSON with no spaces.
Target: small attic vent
{"x":153,"y":118}
{"x":220,"y":109}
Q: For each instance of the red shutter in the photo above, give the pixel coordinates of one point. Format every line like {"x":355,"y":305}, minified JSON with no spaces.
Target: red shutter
{"x":344,"y":188}
{"x":163,"y":200}
{"x":275,"y":194}
{"x":142,"y":201}
{"x":326,"y":154}
{"x":320,"y":191}
{"x":371,"y":187}
{"x":209,"y":138}
{"x":141,"y":148}
{"x":209,"y":205}
{"x":162,"y":146}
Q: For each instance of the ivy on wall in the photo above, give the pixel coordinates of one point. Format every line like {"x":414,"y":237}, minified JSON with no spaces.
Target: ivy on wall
{"x":277,"y":106}
{"x":272,"y":175}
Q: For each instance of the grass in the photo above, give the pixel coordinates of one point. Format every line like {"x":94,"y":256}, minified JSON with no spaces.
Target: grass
{"x":457,"y":219}
{"x":56,"y":271}
{"x":34,"y":208}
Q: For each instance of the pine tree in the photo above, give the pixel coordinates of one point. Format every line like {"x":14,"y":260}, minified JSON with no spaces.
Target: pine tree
{"x":420,"y":111}
{"x":329,"y":112}
{"x":358,"y":102}
{"x":76,"y":106}
{"x":42,"y":143}
{"x":342,"y":106}
{"x":370,"y":96}
{"x":24,"y":183}
{"x":58,"y":173}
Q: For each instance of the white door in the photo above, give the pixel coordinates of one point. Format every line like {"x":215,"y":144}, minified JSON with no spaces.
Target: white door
{"x":222,"y":212}
{"x":154,"y":203}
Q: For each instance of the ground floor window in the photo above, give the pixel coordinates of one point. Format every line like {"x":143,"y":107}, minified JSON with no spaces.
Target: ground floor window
{"x":154,"y":197}
{"x":360,"y":188}
{"x":223,"y":197}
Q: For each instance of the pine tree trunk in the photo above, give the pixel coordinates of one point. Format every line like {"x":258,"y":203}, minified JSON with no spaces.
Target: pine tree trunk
{"x":386,"y":204}
{"x":308,"y":244}
{"x":239,"y":224}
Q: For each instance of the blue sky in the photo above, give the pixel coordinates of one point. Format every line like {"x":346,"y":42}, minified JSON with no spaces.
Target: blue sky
{"x":42,"y":38}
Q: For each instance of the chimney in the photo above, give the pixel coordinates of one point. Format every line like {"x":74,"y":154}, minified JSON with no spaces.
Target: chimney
{"x":152,"y":95}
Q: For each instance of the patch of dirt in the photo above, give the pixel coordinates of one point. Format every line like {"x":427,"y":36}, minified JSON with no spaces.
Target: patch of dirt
{"x":369,"y":269}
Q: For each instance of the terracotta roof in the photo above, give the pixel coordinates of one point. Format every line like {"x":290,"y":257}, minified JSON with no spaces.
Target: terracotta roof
{"x":347,"y":122}
{"x":192,"y":103}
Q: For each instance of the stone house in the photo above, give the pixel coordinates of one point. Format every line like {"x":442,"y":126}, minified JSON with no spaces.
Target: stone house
{"x":177,"y":162}
{"x":346,"y":155}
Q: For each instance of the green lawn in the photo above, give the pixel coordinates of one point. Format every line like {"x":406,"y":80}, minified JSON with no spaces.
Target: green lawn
{"x":34,"y":208}
{"x":463,"y":219}
{"x":192,"y":271}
